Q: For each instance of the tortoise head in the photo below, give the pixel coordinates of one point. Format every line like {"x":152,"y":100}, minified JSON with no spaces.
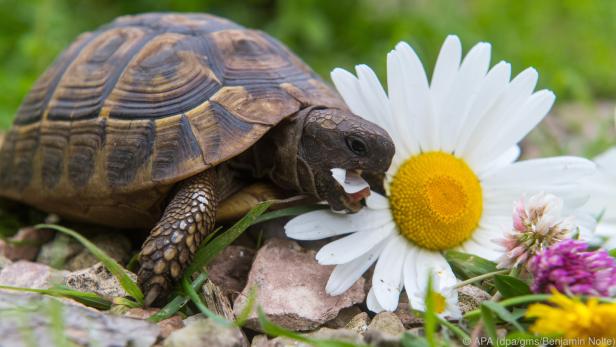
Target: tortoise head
{"x":337,"y":139}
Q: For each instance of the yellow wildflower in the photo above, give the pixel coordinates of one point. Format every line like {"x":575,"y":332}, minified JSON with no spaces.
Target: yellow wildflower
{"x":582,"y":324}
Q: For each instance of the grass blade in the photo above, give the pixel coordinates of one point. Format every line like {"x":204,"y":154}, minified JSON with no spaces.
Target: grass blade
{"x":430,"y":321}
{"x":241,"y":319}
{"x":503,"y":314}
{"x":208,"y":251}
{"x":125,"y":281}
{"x":288,"y":212}
{"x":88,"y":299}
{"x":489,"y":324}
{"x":178,"y":302}
{"x":194,"y":297}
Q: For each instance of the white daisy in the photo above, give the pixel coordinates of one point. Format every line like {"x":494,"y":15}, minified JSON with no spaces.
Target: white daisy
{"x":602,"y":203}
{"x":453,"y":177}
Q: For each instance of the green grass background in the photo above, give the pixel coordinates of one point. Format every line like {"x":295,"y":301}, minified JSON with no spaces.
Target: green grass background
{"x":572,"y":43}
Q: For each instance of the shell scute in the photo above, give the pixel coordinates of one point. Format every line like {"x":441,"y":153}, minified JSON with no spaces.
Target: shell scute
{"x":169,"y":76}
{"x":90,"y":78}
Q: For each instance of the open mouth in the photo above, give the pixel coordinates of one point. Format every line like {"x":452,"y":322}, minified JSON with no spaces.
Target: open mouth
{"x":355,"y":187}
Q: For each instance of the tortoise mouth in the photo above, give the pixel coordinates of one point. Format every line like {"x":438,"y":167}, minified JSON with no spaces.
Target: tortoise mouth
{"x":353,"y":188}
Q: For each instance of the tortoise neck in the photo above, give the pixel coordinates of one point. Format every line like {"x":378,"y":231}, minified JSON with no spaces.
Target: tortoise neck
{"x":278,"y":156}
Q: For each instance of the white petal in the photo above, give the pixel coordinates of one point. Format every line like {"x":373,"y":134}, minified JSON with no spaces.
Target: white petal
{"x":345,"y":275}
{"x":348,"y":87}
{"x":428,"y":263}
{"x":350,"y":181}
{"x":445,"y":72}
{"x":446,"y":69}
{"x":521,"y":123}
{"x":535,"y":173}
{"x":375,"y":98}
{"x":387,"y":278}
{"x":377,"y":201}
{"x":412,"y":283}
{"x":473,"y":247}
{"x":373,"y":303}
{"x":321,"y":224}
{"x":507,"y":104}
{"x":606,"y":161}
{"x":410,"y":97}
{"x":353,"y":246}
{"x":492,"y":87}
{"x":508,"y":157}
{"x":454,"y":112}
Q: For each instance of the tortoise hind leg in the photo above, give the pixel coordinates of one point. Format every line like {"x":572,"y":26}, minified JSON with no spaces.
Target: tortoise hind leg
{"x":169,"y":248}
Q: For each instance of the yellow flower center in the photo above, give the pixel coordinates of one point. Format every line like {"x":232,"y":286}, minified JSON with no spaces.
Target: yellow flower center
{"x":436,"y":200}
{"x":440,"y":303}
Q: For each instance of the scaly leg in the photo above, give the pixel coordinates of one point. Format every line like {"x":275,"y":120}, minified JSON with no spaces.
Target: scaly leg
{"x":169,"y":248}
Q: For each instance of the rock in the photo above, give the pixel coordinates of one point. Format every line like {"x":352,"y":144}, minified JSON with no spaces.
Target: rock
{"x":4,"y":262}
{"x":204,"y":332}
{"x":291,"y":288}
{"x":116,"y":245}
{"x":407,"y":316}
{"x":66,"y":253}
{"x":169,"y":325}
{"x":31,"y":275}
{"x":384,"y":330}
{"x":471,"y":297}
{"x":343,"y":318}
{"x":57,"y":252}
{"x":26,"y":244}
{"x":40,"y":316}
{"x":141,"y":313}
{"x":97,"y":279}
{"x":259,"y":341}
{"x":216,"y":301}
{"x":359,"y":323}
{"x":229,"y":270}
{"x":344,"y":335}
{"x":388,"y":323}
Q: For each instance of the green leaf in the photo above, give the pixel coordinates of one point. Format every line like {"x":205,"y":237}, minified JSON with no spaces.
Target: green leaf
{"x":178,"y":302}
{"x":503,"y":313}
{"x":208,"y":251}
{"x":248,"y":308}
{"x":88,"y":299}
{"x":468,"y":266}
{"x":125,"y":302}
{"x":410,"y":340}
{"x":118,"y":272}
{"x":489,"y":324}
{"x":510,"y":286}
{"x":288,"y":212}
{"x":194,"y":297}
{"x":612,"y":252}
{"x":430,"y":321}
{"x":518,"y":300}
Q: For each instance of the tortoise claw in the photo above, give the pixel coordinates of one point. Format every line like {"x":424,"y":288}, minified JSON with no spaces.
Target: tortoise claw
{"x":152,"y":295}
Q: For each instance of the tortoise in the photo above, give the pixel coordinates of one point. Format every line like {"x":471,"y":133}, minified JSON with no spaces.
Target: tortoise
{"x":153,"y":121}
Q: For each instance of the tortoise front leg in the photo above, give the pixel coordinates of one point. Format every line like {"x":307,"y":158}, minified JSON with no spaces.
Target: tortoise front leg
{"x":188,"y":218}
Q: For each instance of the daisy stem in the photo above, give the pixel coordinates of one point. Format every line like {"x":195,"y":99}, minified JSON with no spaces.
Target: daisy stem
{"x":479,"y":278}
{"x":462,"y":335}
{"x":513,"y":301}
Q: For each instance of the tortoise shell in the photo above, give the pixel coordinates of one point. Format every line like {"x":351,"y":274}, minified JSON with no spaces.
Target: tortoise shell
{"x":147,"y":101}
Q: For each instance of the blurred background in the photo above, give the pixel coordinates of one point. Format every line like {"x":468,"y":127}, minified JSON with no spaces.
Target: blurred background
{"x":571,"y":43}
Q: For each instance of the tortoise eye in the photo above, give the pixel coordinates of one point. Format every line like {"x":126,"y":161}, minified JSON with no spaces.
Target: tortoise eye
{"x":357,"y":145}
